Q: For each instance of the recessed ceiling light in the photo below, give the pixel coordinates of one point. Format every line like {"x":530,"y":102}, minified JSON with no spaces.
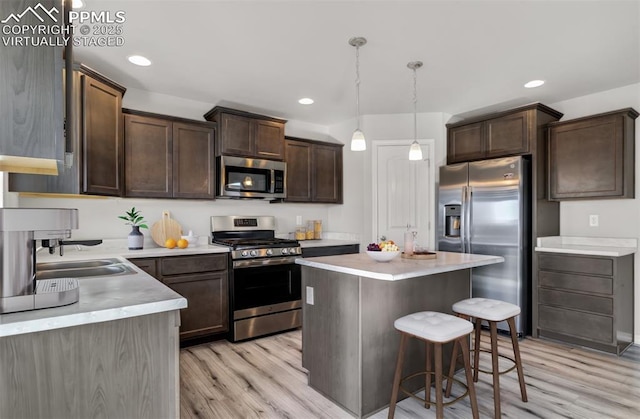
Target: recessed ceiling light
{"x":76,"y":4}
{"x":534,"y":83}
{"x":139,"y":60}
{"x":305,"y":101}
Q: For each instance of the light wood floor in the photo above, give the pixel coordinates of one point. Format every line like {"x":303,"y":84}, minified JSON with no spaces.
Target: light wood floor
{"x":263,"y":378}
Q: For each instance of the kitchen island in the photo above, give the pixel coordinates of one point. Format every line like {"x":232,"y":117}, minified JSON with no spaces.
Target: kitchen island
{"x":349,"y":344}
{"x":114,"y":353}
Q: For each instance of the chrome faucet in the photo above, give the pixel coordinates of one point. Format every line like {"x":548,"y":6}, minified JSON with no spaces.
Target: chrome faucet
{"x":52,"y":243}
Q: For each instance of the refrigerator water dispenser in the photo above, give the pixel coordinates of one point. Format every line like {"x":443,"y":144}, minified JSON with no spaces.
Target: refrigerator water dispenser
{"x":452,"y":220}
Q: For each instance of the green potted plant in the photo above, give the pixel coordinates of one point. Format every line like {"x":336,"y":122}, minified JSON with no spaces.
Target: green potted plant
{"x":135,"y":240}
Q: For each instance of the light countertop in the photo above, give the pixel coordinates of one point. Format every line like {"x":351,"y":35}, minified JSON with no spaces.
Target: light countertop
{"x":102,"y":298}
{"x":595,"y":246}
{"x":117,"y":247}
{"x":105,"y":298}
{"x":362,"y":265}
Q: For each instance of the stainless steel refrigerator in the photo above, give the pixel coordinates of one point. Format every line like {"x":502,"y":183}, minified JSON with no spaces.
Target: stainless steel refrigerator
{"x":484,"y":207}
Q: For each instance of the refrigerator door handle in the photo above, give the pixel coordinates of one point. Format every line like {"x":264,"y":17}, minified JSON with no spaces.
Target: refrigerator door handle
{"x":467,"y":233}
{"x":463,"y":220}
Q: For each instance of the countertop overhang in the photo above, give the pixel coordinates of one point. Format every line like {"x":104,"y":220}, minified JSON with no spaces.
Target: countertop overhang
{"x":361,"y":264}
{"x":593,"y":246}
{"x":106,"y":298}
{"x":102,"y":298}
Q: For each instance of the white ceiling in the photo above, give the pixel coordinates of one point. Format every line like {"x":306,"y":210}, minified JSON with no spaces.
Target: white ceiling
{"x":263,"y":56}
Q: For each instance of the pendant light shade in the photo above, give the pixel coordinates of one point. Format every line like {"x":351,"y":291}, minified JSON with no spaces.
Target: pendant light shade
{"x":415,"y":151}
{"x":358,"y":142}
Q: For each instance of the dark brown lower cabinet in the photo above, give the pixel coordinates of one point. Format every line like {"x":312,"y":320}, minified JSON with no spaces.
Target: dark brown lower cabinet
{"x":203,"y":280}
{"x":586,"y":300}
{"x":207,"y":296}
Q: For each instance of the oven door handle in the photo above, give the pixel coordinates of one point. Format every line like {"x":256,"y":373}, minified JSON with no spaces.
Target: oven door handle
{"x":251,"y":263}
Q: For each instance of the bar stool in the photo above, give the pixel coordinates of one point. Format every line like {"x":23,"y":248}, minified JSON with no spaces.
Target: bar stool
{"x":434,"y":329}
{"x":493,"y":312}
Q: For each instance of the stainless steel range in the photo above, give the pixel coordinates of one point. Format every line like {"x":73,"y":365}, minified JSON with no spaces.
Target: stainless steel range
{"x":265,"y":282}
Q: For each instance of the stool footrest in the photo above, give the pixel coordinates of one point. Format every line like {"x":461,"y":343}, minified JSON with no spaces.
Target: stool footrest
{"x":429,"y":402}
{"x":513,"y":367}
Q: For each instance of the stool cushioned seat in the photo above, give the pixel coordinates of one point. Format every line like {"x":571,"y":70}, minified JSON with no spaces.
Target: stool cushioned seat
{"x":434,"y":326}
{"x":485,"y":308}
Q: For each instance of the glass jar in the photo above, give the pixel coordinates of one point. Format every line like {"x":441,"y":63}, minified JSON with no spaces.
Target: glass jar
{"x":317,"y":229}
{"x":301,"y":233}
{"x":310,"y":234}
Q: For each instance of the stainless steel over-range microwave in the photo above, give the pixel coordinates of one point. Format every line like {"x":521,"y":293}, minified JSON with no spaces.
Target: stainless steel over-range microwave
{"x":240,"y":177}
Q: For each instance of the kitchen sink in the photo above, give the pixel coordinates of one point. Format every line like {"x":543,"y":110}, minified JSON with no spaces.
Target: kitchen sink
{"x":82,"y":269}
{"x":48,"y":266}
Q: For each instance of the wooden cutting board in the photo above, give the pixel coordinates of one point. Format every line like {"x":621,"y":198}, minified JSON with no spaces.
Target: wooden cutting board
{"x":425,"y":255}
{"x":166,"y":228}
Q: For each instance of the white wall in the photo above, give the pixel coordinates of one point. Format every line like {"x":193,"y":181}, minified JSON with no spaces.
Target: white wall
{"x":618,"y":217}
{"x":358,"y":188}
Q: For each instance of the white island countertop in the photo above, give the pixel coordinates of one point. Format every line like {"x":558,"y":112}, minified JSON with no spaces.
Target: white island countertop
{"x":594,"y":246}
{"x":361,"y":264}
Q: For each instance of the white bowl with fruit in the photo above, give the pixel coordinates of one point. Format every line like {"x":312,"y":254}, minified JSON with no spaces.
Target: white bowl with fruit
{"x":383,"y":251}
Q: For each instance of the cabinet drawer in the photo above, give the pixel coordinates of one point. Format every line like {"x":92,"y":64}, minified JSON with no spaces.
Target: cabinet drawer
{"x":177,"y":265}
{"x":601,"y":285}
{"x":577,"y":264}
{"x":576,"y":323}
{"x":602,"y":305}
{"x":149,"y":265}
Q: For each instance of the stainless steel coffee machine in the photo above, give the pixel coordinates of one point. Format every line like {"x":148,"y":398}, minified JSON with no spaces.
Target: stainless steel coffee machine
{"x":19,"y":230}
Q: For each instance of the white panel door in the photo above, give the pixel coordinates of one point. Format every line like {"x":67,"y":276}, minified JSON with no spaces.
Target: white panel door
{"x":403,"y":193}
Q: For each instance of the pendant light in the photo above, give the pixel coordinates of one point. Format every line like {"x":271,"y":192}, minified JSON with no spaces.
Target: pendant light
{"x":358,"y":142}
{"x":415,"y":151}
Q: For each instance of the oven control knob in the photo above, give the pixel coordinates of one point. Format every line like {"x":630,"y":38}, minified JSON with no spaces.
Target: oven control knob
{"x":269,"y":252}
{"x":253,"y":253}
{"x":292,"y":251}
{"x":245,"y":253}
{"x":285,"y":251}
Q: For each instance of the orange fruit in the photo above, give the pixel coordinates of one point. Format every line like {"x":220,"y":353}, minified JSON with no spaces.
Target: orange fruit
{"x":170,"y":243}
{"x":182,"y":243}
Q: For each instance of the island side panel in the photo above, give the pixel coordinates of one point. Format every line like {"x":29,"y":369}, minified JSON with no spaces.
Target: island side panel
{"x":330,"y":335}
{"x":382,"y":302}
{"x":121,"y":368}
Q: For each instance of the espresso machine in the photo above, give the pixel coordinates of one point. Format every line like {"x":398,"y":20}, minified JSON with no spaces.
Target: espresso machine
{"x":19,"y":230}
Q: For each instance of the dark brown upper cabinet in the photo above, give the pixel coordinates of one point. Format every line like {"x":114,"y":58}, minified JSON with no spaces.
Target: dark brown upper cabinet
{"x":466,"y":143}
{"x":593,"y":157}
{"x":168,"y":157}
{"x":94,"y":163}
{"x":246,"y":134}
{"x":314,"y":171}
{"x":497,"y":135}
{"x":101,"y":133}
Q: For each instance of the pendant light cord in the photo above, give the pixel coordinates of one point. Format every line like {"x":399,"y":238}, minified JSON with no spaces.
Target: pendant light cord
{"x":358,"y":86}
{"x":415,"y":106}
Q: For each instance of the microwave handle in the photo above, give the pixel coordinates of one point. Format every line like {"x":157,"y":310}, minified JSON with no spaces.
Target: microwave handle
{"x":272,"y":175}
